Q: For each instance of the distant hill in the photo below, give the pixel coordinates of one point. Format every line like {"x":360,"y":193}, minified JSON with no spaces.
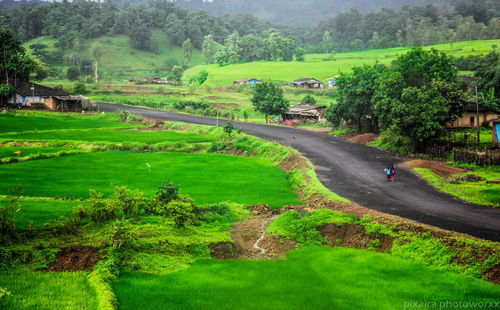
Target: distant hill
{"x":296,"y":12}
{"x":120,"y":61}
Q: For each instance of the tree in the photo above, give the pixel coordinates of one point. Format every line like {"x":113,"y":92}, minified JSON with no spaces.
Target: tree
{"x":327,"y":41}
{"x":96,"y":51}
{"x":488,"y":74}
{"x":354,"y":97}
{"x":13,"y":59}
{"x":208,"y":48}
{"x":174,"y":28}
{"x":299,"y":54}
{"x":419,"y":97}
{"x":141,"y":36}
{"x":187,"y":52}
{"x":232,"y":48}
{"x":176,"y":74}
{"x":268,"y":99}
{"x":73,"y":73}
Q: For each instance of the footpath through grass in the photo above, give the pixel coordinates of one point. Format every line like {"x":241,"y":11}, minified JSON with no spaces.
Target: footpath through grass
{"x":208,"y":178}
{"x":314,"y":278}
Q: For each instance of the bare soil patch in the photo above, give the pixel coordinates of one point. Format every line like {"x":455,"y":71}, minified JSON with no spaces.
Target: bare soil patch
{"x":364,"y":138}
{"x":438,"y":167}
{"x":353,"y":236}
{"x":76,"y":259}
{"x":224,"y":250}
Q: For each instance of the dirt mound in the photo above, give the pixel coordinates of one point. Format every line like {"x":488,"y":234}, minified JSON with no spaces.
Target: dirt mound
{"x":439,"y":168}
{"x":224,"y":250}
{"x":354,"y":236}
{"x":259,"y":209}
{"x":76,"y":259}
{"x":493,"y":274}
{"x":364,"y":138}
{"x":470,"y":178}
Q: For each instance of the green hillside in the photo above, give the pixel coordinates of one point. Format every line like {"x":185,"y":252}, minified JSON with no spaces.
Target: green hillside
{"x":321,"y":67}
{"x":120,"y":61}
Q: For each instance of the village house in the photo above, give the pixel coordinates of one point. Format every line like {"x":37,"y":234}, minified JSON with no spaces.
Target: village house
{"x":304,"y":112}
{"x":307,"y":83}
{"x":29,"y":94}
{"x":250,"y":81}
{"x":486,"y":114}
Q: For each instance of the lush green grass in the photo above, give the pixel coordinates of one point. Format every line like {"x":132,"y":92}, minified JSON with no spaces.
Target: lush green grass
{"x":40,"y":212}
{"x":120,"y":61}
{"x":208,"y":178}
{"x":108,"y":135}
{"x":316,"y":66}
{"x":476,"y":192}
{"x":8,"y":151}
{"x":315,"y":278}
{"x":47,"y":290}
{"x":46,"y":121}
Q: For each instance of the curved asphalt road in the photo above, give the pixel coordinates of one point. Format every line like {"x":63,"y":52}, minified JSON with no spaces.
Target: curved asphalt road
{"x":356,"y":172}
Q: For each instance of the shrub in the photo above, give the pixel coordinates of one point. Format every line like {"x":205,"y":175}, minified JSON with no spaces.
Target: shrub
{"x":167,"y":192}
{"x":122,"y":235}
{"x":130,"y":202}
{"x":79,"y":88}
{"x":182,"y":210}
{"x":100,"y":210}
{"x":228,"y":128}
{"x":63,"y":225}
{"x":308,"y":99}
{"x":9,"y":210}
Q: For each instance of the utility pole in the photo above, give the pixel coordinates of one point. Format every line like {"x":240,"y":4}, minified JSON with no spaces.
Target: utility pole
{"x":217,"y":119}
{"x":477,"y":121}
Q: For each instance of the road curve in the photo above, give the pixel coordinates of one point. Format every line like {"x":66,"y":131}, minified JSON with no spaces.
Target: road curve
{"x":356,"y":172}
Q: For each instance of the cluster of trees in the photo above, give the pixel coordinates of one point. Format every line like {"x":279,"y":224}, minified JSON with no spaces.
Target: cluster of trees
{"x":294,"y":12}
{"x":410,"y":26}
{"x":270,"y":45}
{"x":68,"y":21}
{"x":415,"y":99}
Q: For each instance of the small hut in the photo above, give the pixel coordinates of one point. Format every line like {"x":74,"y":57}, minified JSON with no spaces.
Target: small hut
{"x":250,"y":81}
{"x":304,"y":112}
{"x":307,"y":83}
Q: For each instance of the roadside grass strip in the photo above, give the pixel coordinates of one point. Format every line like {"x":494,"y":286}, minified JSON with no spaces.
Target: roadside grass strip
{"x":47,"y":290}
{"x":313,"y":278}
{"x":475,"y":192}
{"x":208,"y":178}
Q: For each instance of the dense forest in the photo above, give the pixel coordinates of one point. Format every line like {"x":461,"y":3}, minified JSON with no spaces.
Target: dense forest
{"x":296,"y":12}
